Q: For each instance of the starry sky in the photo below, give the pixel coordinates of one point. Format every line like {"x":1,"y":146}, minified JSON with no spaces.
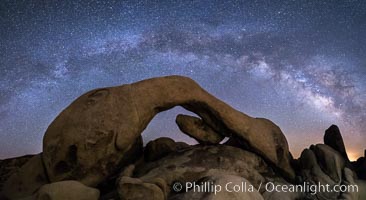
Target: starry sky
{"x":300,"y":63}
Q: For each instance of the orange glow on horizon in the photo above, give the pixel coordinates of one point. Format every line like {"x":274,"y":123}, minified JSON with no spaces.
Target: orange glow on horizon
{"x":353,"y":156}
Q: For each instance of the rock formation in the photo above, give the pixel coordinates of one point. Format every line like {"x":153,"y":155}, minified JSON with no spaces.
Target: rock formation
{"x":159,"y":148}
{"x":94,"y":150}
{"x":312,"y":172}
{"x":10,"y":166}
{"x":198,"y":129}
{"x":333,"y":138}
{"x":70,"y":190}
{"x":27,"y":180}
{"x":113,"y":119}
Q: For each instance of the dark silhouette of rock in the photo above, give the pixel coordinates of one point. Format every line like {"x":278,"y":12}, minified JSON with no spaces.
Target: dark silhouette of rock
{"x":360,"y":167}
{"x":159,"y":148}
{"x":90,"y":139}
{"x":333,"y":138}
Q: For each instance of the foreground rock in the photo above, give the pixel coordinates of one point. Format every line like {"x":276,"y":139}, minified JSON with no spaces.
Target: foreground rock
{"x":136,"y":189}
{"x":313,"y":174}
{"x":70,"y":190}
{"x":159,"y":148}
{"x":362,"y":189}
{"x":90,"y":139}
{"x":191,"y":165}
{"x":350,"y":179}
{"x":165,"y":162}
{"x":10,"y":166}
{"x":330,"y":161}
{"x":27,"y":180}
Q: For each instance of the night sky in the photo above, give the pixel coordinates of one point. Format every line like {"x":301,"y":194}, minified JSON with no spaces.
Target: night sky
{"x":301,"y":64}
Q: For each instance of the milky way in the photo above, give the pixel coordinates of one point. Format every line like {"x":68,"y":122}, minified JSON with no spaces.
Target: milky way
{"x":301,"y":64}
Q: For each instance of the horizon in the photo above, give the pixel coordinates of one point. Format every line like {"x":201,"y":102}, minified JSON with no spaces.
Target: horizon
{"x":300,"y":64}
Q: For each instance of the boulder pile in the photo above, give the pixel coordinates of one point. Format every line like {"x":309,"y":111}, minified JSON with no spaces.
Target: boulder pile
{"x":94,"y":150}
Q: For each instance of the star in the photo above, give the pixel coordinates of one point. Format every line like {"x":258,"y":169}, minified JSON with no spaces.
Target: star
{"x":300,"y":63}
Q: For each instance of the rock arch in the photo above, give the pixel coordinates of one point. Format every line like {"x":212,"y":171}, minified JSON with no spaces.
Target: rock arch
{"x":101,"y":130}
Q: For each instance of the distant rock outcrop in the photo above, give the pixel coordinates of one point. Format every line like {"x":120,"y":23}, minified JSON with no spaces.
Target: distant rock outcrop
{"x":333,"y":138}
{"x":360,"y":167}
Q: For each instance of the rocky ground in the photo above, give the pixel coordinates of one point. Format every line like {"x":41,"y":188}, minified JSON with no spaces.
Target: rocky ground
{"x":94,"y":150}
